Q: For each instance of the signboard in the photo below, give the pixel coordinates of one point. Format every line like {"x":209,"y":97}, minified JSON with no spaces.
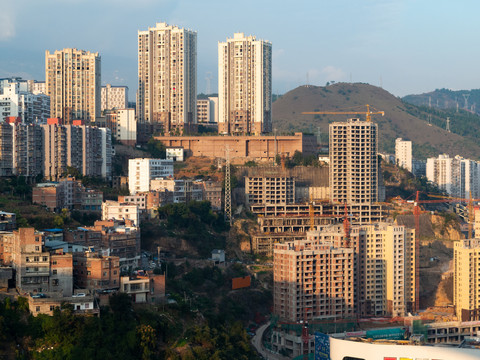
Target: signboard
{"x":322,"y":346}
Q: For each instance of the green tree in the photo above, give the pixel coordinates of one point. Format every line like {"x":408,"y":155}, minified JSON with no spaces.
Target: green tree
{"x":156,"y":149}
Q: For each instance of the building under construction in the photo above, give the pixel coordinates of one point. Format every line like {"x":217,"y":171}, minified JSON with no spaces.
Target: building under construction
{"x":279,"y":223}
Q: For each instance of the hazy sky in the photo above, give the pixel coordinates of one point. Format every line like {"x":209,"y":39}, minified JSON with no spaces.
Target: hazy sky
{"x":408,"y":47}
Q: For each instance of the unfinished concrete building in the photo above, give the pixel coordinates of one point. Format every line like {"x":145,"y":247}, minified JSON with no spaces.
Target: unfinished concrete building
{"x":269,"y":190}
{"x":279,"y":223}
{"x":313,"y":280}
{"x":354,"y":165}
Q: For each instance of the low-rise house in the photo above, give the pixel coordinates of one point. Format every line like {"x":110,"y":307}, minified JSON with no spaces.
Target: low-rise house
{"x":175,"y":153}
{"x":45,"y":303}
{"x":115,"y":210}
{"x":93,"y":271}
{"x":144,"y":287}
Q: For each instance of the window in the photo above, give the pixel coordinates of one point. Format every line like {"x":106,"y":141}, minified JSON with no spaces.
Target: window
{"x":55,"y":282}
{"x":52,"y":307}
{"x":37,"y":308}
{"x":54,"y":272}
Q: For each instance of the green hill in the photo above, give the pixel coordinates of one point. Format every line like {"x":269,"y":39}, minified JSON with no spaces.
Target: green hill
{"x":447,"y":99}
{"x":401,"y":119}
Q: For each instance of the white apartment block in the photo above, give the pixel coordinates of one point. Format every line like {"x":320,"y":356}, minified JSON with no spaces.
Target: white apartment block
{"x":244,"y":86}
{"x":313,"y":280}
{"x":403,"y":154}
{"x":72,"y":80}
{"x":167,"y":78}
{"x":456,"y":176}
{"x":182,"y":191}
{"x":17,"y":101}
{"x":466,"y":281}
{"x":114,"y":97}
{"x":354,"y":166}
{"x":207,"y":110}
{"x":121,"y":211}
{"x":37,"y":87}
{"x":141,"y":171}
{"x":175,"y":153}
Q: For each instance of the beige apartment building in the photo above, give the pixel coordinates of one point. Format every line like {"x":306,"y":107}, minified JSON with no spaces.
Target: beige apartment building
{"x":72,"y":80}
{"x":354,"y":167}
{"x":167,"y":80}
{"x":114,"y":97}
{"x":244,"y":86}
{"x":466,"y":281}
{"x":387,"y":269}
{"x":313,"y":280}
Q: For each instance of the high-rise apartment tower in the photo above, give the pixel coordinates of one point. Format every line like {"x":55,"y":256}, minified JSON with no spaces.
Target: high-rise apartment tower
{"x":73,"y":79}
{"x":354,"y":172}
{"x":167,"y":79}
{"x":244,"y":86}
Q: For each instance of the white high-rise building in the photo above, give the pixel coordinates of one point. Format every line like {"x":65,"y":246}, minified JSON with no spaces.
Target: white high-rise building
{"x":403,"y":154}
{"x":141,"y":171}
{"x":167,"y":79}
{"x":17,"y":101}
{"x":244,"y":85}
{"x":456,"y":176}
{"x":72,"y":80}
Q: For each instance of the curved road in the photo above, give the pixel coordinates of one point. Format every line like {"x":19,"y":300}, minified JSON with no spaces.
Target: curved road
{"x":258,"y":344}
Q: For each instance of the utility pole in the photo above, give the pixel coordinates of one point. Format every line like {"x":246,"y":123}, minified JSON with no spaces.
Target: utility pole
{"x":228,"y":188}
{"x":448,"y":124}
{"x":466,"y":96}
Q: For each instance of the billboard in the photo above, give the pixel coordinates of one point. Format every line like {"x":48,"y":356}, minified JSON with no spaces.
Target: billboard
{"x":322,"y":346}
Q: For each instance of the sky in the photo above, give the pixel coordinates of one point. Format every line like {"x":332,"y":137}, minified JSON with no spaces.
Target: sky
{"x":404,"y":46}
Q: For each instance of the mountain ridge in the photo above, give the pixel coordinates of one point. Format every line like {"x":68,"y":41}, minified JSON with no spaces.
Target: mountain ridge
{"x":401,"y":119}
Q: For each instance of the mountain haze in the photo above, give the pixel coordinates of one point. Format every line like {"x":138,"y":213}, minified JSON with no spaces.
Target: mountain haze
{"x":400,"y":120}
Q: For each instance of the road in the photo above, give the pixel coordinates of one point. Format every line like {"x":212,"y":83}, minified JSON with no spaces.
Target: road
{"x":258,"y":344}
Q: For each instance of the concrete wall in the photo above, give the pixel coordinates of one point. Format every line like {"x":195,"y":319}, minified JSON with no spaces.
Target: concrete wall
{"x":242,"y":148}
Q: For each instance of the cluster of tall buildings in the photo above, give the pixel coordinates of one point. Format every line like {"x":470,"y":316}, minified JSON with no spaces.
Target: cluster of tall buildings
{"x":457,"y":176}
{"x":24,"y":99}
{"x":341,"y":259}
{"x":167,"y":82}
{"x":49,"y":149}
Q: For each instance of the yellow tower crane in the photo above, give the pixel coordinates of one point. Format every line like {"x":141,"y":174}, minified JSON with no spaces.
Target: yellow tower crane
{"x":367,"y":113}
